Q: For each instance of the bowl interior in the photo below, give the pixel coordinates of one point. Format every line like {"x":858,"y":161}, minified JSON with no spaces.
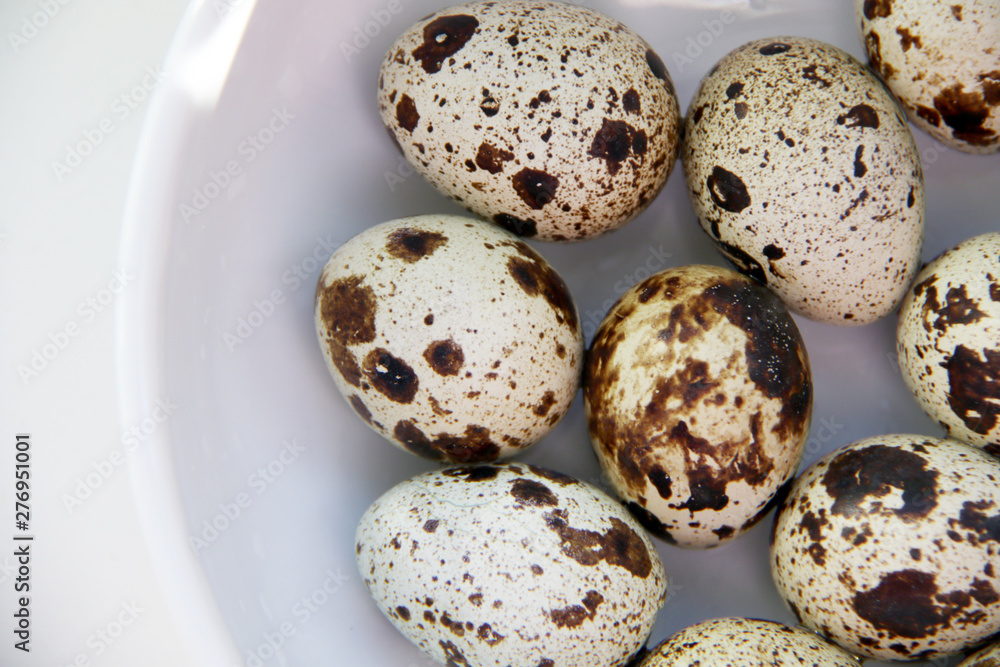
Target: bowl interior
{"x":284,"y":160}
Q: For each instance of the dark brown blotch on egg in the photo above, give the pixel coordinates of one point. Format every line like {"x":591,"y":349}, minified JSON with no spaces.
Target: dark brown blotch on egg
{"x":553,"y":476}
{"x":973,"y":385}
{"x":958,"y":308}
{"x":775,"y":350}
{"x":615,"y":142}
{"x":515,"y":225}
{"x":877,"y":9}
{"x":630,"y":101}
{"x":444,"y":37}
{"x":574,"y":615}
{"x":392,"y":377}
{"x":865,"y":473}
{"x":412,"y":245}
{"x":472,"y":446}
{"x":619,"y":545}
{"x":908,"y":604}
{"x":445,"y":357}
{"x":347,"y":309}
{"x":532,"y":492}
{"x":536,"y":277}
{"x":774,"y":48}
{"x":727,"y":190}
{"x":473,"y":473}
{"x":965,"y":113}
{"x":491,"y":158}
{"x":860,"y":115}
{"x":536,"y":188}
{"x":406,"y":113}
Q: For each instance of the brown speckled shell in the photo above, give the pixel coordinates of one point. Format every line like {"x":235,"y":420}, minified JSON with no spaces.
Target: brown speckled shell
{"x":449,"y":336}
{"x":744,"y":642}
{"x":942,"y":60}
{"x":802,"y":168}
{"x":552,"y":120}
{"x":498,"y":565}
{"x":948,"y":340}
{"x":890,"y":547}
{"x":698,"y":396}
{"x":987,"y":657}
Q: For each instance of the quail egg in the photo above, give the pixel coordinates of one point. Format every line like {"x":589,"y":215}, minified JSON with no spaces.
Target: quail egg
{"x":698,"y":397}
{"x":942,"y":60}
{"x":511,"y":565}
{"x":888,"y":547}
{"x":802,"y":169}
{"x":449,"y":336}
{"x":552,"y":120}
{"x":744,"y":642}
{"x":948,"y":340}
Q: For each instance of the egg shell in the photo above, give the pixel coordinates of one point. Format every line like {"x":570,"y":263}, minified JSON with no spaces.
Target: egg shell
{"x":449,"y":336}
{"x":948,"y":341}
{"x":552,"y":120}
{"x":942,"y":60}
{"x":803,"y":171}
{"x":987,"y":657}
{"x":889,"y":547}
{"x":698,"y":396}
{"x":744,"y":642}
{"x":511,"y":564}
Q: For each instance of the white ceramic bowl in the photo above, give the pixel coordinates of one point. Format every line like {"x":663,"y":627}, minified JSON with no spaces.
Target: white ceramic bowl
{"x":262,"y":152}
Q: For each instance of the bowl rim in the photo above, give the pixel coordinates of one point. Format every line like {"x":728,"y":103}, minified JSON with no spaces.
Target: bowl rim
{"x":139,"y":332}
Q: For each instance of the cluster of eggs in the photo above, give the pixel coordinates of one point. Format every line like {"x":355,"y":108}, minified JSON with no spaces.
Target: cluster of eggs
{"x":455,"y":340}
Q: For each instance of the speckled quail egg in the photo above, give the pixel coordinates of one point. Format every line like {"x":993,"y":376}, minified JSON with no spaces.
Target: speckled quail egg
{"x":449,"y":336}
{"x":942,"y":60}
{"x":889,"y":547}
{"x":948,"y":340}
{"x":744,"y":642}
{"x":802,"y":169}
{"x":987,"y":657}
{"x":511,"y":565}
{"x":552,"y":120}
{"x":698,"y":397}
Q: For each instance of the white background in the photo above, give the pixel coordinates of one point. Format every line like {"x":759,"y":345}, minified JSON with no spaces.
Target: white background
{"x":58,"y":248}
